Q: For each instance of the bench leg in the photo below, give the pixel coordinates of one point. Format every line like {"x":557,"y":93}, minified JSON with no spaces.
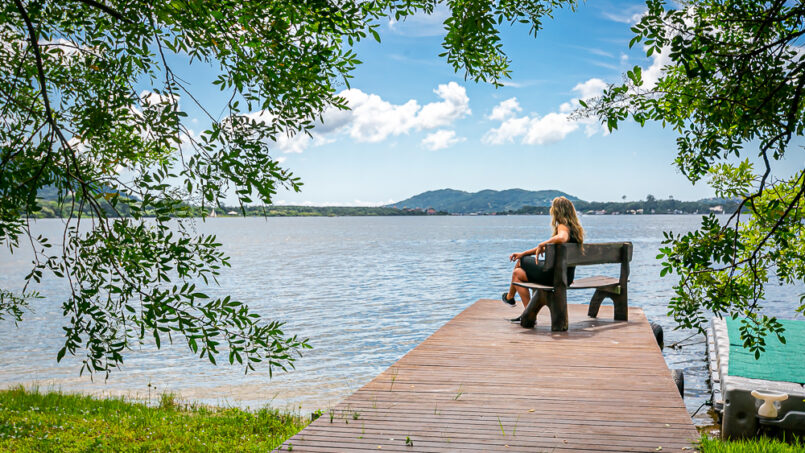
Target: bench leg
{"x":620,"y":301}
{"x":529,"y":317}
{"x":558,"y":307}
{"x":621,"y":306}
{"x":595,"y":303}
{"x":557,"y":304}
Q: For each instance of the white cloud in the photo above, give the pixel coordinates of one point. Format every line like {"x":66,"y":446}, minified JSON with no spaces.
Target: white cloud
{"x":629,"y":15}
{"x":77,"y":144}
{"x":286,"y":143}
{"x":441,"y":139}
{"x":569,"y":106}
{"x":67,"y":48}
{"x":409,"y":60}
{"x":293,"y":144}
{"x":149,"y":98}
{"x":799,"y":51}
{"x":520,"y":84}
{"x":371,"y":119}
{"x":604,"y":64}
{"x":599,"y":52}
{"x":421,"y":24}
{"x":505,"y":109}
{"x":591,"y":88}
{"x":652,"y":75}
{"x":661,"y":59}
{"x":355,"y":202}
{"x":547,"y":129}
{"x":588,"y":90}
{"x":455,"y":105}
{"x":551,"y":128}
{"x":507,"y":132}
{"x":188,"y":136}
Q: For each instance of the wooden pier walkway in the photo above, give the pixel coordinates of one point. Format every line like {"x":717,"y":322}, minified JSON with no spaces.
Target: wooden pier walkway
{"x":482,"y":384}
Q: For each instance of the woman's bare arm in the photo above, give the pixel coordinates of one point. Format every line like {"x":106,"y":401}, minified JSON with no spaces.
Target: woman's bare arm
{"x":562,"y":235}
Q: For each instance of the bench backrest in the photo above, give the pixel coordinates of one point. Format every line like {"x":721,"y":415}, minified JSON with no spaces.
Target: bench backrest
{"x":588,"y":254}
{"x":560,"y":256}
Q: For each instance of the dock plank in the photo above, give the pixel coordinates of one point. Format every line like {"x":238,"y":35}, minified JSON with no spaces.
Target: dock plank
{"x":482,"y":384}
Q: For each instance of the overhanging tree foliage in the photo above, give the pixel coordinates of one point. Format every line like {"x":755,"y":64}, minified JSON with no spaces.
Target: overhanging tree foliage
{"x":732,"y":88}
{"x":91,"y":107}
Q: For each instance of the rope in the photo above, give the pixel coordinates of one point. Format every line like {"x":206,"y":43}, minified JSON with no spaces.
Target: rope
{"x":700,"y":408}
{"x":674,"y":345}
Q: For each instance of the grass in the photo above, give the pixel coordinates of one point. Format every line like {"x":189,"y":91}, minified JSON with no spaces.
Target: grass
{"x":458,"y":395}
{"x":394,"y":372}
{"x":56,"y":422}
{"x":759,"y":445}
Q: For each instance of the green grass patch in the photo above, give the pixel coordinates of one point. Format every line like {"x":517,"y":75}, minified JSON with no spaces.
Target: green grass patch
{"x":759,"y":445}
{"x":56,"y":422}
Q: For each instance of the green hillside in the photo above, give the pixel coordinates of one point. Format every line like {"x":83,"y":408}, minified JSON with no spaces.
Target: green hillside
{"x":485,"y":201}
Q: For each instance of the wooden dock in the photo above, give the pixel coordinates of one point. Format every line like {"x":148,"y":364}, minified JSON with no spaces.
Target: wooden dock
{"x":482,"y":384}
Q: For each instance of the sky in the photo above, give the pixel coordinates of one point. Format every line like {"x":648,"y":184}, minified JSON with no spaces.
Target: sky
{"x":416,"y":125}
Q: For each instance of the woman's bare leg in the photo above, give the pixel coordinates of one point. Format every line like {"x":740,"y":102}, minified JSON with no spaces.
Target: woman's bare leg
{"x":525,"y":293}
{"x":519,"y":276}
{"x":512,"y":288}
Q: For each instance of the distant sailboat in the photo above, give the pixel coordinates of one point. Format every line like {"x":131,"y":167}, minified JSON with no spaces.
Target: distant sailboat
{"x":212,"y":213}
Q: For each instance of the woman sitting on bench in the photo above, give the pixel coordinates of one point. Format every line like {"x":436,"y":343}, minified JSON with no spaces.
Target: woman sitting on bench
{"x":566,"y":228}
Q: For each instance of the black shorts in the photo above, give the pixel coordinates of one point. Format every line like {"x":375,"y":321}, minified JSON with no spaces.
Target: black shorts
{"x":537,"y":273}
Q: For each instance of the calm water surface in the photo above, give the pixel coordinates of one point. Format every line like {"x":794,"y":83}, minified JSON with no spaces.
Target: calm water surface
{"x":365,"y":290}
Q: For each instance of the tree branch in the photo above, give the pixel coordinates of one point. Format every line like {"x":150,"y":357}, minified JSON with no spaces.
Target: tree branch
{"x":108,"y":10}
{"x":794,"y":202}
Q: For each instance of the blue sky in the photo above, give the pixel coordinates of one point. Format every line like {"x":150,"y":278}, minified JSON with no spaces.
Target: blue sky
{"x":417,"y":126}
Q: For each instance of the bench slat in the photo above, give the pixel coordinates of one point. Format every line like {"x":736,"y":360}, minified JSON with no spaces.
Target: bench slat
{"x":598,"y":281}
{"x":600,"y":253}
{"x":530,"y":285}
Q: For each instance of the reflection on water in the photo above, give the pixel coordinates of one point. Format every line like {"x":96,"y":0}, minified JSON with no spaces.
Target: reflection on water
{"x":365,"y":290}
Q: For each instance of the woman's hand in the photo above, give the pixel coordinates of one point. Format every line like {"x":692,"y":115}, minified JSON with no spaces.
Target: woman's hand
{"x":540,"y":250}
{"x":515,"y":256}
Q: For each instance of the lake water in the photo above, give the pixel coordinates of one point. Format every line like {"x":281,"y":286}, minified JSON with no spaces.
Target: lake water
{"x":365,"y":290}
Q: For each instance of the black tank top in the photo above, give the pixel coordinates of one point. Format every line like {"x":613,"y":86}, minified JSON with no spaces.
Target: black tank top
{"x":571,"y":270}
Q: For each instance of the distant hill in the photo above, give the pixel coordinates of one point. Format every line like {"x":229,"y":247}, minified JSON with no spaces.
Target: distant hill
{"x":485,"y":201}
{"x":48,"y":193}
{"x":51,"y":193}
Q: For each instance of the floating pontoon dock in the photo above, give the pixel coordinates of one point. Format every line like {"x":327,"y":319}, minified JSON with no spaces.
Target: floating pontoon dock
{"x":482,"y":384}
{"x":778,"y":377}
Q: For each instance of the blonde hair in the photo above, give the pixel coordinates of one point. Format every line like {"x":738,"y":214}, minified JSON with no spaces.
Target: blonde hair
{"x":563,"y":212}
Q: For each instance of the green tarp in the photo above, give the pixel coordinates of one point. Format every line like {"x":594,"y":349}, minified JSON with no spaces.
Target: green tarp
{"x":779,"y":362}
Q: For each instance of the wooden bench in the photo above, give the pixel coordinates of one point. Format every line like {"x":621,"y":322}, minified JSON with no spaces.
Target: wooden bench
{"x":560,"y":256}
